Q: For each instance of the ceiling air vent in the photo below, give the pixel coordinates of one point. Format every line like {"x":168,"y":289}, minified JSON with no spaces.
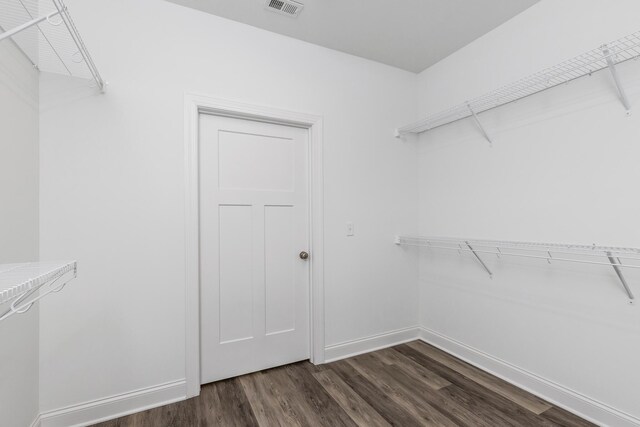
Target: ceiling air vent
{"x":284,"y":7}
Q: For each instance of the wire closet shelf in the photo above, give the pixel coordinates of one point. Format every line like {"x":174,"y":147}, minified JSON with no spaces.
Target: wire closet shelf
{"x":610,"y":256}
{"x":605,"y":57}
{"x":21,"y":285}
{"x":45,"y":32}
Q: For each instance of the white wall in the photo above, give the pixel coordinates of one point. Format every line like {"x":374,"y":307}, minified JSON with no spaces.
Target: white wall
{"x":563,"y":169}
{"x":18,"y":156}
{"x":113,"y":187}
{"x":18,"y":230}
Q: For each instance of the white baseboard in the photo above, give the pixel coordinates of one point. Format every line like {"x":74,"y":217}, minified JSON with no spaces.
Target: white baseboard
{"x":558,"y":395}
{"x":36,"y":422}
{"x":114,"y":407}
{"x":128,"y":403}
{"x":368,"y":344}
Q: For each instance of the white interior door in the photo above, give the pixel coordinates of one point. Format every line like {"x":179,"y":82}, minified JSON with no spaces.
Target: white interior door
{"x":254,"y":224}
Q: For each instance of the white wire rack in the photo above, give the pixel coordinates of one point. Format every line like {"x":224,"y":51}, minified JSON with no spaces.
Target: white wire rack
{"x":615,"y":257}
{"x":47,"y":35}
{"x":20,"y":283}
{"x":605,"y":57}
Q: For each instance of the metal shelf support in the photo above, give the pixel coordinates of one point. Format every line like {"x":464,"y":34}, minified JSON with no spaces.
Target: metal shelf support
{"x":616,"y":263}
{"x":616,"y":78}
{"x":479,"y":260}
{"x":479,"y":123}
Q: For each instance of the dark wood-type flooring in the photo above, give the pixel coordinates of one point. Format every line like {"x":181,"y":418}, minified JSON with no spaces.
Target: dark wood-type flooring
{"x":412,"y":384}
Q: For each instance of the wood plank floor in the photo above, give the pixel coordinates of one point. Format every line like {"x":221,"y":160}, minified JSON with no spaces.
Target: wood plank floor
{"x":412,"y":384}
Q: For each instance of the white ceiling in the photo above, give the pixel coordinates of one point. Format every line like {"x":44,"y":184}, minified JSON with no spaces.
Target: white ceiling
{"x":408,"y":34}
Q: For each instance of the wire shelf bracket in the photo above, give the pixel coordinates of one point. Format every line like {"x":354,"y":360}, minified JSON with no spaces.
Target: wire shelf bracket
{"x":616,"y":263}
{"x":545,"y":251}
{"x":479,"y":124}
{"x":475,"y":254}
{"x":607,"y":56}
{"x":56,"y":47}
{"x":616,"y":79}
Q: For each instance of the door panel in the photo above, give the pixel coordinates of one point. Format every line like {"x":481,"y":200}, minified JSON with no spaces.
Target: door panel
{"x":280,"y":276}
{"x":257,"y":162}
{"x":254,"y":221}
{"x":236,"y":293}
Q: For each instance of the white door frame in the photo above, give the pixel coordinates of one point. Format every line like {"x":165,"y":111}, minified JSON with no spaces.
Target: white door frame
{"x":195,"y":104}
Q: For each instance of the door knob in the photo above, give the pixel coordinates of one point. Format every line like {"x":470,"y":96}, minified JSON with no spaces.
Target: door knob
{"x":304,"y":255}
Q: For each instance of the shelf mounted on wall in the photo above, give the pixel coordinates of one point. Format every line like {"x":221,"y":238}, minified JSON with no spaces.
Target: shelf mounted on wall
{"x":607,"y":56}
{"x":22,"y":285}
{"x":45,"y":32}
{"x":614,"y":257}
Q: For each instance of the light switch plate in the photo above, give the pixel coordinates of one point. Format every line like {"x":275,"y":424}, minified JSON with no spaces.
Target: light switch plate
{"x":350,"y":229}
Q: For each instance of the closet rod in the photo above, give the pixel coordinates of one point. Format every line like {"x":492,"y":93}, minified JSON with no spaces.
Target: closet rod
{"x":29,"y":24}
{"x":469,"y":245}
{"x":581,"y":250}
{"x":502,"y":253}
{"x":47,"y":39}
{"x":607,"y":56}
{"x":22,"y":285}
